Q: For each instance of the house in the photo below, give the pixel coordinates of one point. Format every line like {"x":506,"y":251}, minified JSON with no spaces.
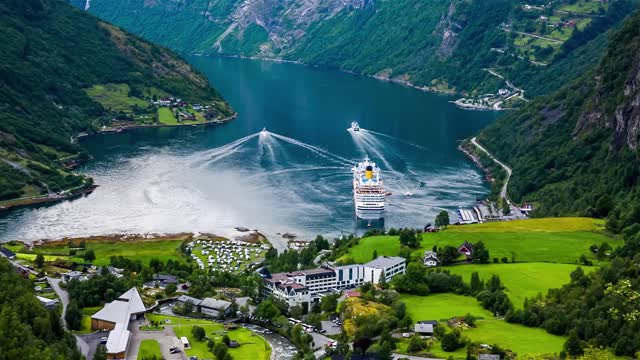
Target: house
{"x":233,"y":344}
{"x":73,"y":275}
{"x":161,"y":281}
{"x":425,"y":327}
{"x":115,"y":316}
{"x":351,"y":294}
{"x":4,"y":252}
{"x":390,"y":266}
{"x":214,"y":307}
{"x":182,"y":299}
{"x":111,"y":270}
{"x":430,"y":259}
{"x":488,"y":357}
{"x":466,"y":249}
{"x":48,"y":303}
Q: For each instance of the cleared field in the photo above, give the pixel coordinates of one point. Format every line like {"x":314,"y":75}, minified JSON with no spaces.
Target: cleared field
{"x":522,"y":280}
{"x":252,"y":346}
{"x":149,"y":349}
{"x":521,"y":339}
{"x":165,"y":116}
{"x":558,"y":240}
{"x":135,"y":250}
{"x":115,"y":97}
{"x":584,"y":7}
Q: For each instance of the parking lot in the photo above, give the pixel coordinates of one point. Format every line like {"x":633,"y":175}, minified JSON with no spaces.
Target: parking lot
{"x":330,"y":328}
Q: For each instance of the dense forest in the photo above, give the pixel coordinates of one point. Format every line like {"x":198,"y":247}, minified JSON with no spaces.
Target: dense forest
{"x":575,"y":151}
{"x":27,"y":329}
{"x":51,"y":52}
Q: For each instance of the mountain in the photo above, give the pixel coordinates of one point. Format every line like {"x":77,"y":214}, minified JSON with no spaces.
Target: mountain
{"x":577,"y":150}
{"x":56,"y":63}
{"x":440,"y":45}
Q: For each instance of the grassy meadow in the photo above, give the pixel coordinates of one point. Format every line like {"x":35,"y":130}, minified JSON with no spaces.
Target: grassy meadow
{"x":488,"y":330}
{"x":522,"y":280}
{"x":115,"y":97}
{"x":557,"y":240}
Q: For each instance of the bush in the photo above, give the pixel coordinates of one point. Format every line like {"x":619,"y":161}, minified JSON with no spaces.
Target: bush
{"x":198,"y":332}
{"x":452,"y":341}
{"x":504,"y":260}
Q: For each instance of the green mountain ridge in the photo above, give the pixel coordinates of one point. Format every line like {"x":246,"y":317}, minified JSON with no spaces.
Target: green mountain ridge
{"x":576,"y":151}
{"x":51,"y":54}
{"x":445,"y":45}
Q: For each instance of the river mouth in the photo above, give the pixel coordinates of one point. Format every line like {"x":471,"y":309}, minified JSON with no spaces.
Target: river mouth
{"x":292,"y":178}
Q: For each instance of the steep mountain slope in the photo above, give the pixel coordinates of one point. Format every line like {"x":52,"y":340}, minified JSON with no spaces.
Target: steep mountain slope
{"x":441,"y":45}
{"x":576,"y":151}
{"x":51,"y":53}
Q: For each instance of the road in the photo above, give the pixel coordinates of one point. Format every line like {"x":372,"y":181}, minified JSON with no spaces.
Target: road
{"x":166,"y":338}
{"x":62,"y":294}
{"x":402,"y":356}
{"x":534,"y":35}
{"x":503,"y":191}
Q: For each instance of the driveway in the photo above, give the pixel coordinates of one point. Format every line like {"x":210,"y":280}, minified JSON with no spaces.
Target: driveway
{"x":320,"y":340}
{"x":166,"y":338}
{"x":62,"y":294}
{"x":87,"y":344}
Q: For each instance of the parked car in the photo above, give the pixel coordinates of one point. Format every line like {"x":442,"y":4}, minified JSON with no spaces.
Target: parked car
{"x":103,"y":340}
{"x":406,"y":335}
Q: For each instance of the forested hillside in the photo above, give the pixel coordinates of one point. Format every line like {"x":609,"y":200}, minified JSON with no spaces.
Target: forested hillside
{"x":51,"y":54}
{"x":27,"y":329}
{"x":440,"y":45}
{"x":576,"y":151}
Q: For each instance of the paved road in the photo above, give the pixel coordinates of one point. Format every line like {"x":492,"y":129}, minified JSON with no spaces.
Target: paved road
{"x":534,"y":35}
{"x":503,"y":191}
{"x":329,"y":327}
{"x":166,"y":338}
{"x":62,"y":294}
{"x":402,"y":356}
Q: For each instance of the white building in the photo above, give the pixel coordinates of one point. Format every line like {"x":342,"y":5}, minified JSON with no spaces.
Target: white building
{"x":306,"y":286}
{"x":389,"y":265}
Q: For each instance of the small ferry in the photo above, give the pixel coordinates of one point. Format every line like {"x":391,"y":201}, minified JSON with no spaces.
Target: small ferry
{"x":355,"y":126}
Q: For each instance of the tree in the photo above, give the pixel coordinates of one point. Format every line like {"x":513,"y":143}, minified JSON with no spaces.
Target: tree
{"x":415,"y":343}
{"x":101,"y":353}
{"x":362,"y":344}
{"x":442,"y":219}
{"x":170,"y":289}
{"x":573,"y":345}
{"x":452,"y":341}
{"x":73,"y":316}
{"x":448,"y":254}
{"x":226,"y":339}
{"x":476,"y":284}
{"x":480,"y":254}
{"x":375,"y":255}
{"x":39,"y":262}
{"x":409,"y":239}
{"x":267,"y":310}
{"x":89,"y":255}
{"x":198,"y":332}
{"x":220,"y":351}
{"x":329,"y":303}
{"x":382,"y":283}
{"x":210,"y":345}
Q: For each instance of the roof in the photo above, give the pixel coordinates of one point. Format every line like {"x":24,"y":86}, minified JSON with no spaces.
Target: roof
{"x":353,"y":294}
{"x":432,"y":322}
{"x":121,"y":309}
{"x":6,"y":252}
{"x":171,"y":279}
{"x":215,"y":304}
{"x":192,"y":300}
{"x":467,"y":245}
{"x":46,"y":301}
{"x":383,"y":262}
{"x":430,"y":254}
{"x":118,"y":339}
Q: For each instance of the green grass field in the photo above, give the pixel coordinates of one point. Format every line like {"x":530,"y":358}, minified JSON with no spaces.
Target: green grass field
{"x":559,"y":240}
{"x":165,"y":116}
{"x":115,"y":97}
{"x":138,"y":250}
{"x":522,"y":280}
{"x":252,"y":346}
{"x":584,"y":7}
{"x":86,"y":319}
{"x":149,"y":349}
{"x":519,"y":338}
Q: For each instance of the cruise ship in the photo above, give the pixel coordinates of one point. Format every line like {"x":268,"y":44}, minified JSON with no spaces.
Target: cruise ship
{"x":368,"y":191}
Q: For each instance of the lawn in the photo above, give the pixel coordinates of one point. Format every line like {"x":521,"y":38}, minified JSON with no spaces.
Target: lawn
{"x":584,"y":7}
{"x":165,"y":116}
{"x":86,"y":319}
{"x":519,"y":338}
{"x":135,"y":250}
{"x":522,"y":280}
{"x":559,"y":240}
{"x":149,"y":349}
{"x":252,"y":346}
{"x":115,"y":97}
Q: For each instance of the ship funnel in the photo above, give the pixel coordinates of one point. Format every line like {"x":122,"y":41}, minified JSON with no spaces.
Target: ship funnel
{"x":369,"y":172}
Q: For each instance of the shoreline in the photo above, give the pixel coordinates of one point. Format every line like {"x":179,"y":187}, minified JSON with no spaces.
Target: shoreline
{"x":24,"y":202}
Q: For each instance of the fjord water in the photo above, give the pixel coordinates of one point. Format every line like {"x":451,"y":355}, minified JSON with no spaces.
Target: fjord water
{"x":295,"y":177}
